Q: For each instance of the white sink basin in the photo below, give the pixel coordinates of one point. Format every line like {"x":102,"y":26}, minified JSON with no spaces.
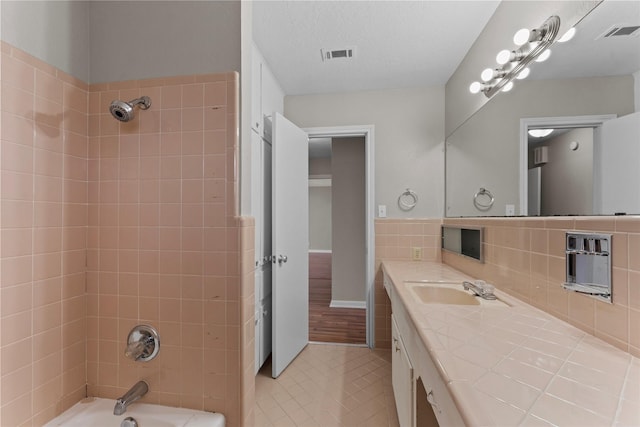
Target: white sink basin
{"x":448,"y":293}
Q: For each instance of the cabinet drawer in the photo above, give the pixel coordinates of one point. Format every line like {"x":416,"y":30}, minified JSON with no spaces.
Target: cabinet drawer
{"x":401,"y":377}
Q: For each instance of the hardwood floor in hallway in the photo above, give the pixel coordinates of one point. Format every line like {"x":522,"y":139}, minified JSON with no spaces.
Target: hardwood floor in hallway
{"x":327,"y":324}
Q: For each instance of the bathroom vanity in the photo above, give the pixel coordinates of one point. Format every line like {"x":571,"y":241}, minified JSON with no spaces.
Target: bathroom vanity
{"x":500,"y":362}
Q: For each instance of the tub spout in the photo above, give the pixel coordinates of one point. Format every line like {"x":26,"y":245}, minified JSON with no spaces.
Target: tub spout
{"x":136,"y":392}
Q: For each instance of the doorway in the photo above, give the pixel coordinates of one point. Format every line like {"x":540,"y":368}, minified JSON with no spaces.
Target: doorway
{"x":574,"y":159}
{"x":332,"y":262}
{"x":337,"y":238}
{"x":365,"y":133}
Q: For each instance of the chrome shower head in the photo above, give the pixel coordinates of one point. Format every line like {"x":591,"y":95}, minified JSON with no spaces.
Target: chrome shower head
{"x":125,"y":111}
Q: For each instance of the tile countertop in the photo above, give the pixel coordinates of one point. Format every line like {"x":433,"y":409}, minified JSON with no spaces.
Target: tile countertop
{"x":518,"y":365}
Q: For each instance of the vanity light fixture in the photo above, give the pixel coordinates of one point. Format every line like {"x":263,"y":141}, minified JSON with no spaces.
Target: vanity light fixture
{"x":533,"y":45}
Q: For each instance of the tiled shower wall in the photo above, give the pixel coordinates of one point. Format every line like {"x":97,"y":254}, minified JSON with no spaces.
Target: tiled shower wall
{"x":164,"y":242}
{"x":107,"y":225}
{"x":43,"y":232}
{"x":525,"y":257}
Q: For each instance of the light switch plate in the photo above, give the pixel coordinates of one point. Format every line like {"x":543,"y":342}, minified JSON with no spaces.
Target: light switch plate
{"x":510,"y":210}
{"x":382,"y":211}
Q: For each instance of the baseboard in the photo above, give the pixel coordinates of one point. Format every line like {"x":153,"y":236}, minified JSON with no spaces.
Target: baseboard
{"x":348,"y":304}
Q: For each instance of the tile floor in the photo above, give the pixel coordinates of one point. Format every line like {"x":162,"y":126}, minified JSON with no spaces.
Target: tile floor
{"x":328,"y":385}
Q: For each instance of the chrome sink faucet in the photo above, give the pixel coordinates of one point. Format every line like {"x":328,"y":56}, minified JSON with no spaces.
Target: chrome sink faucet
{"x":136,"y":392}
{"x":481,"y":289}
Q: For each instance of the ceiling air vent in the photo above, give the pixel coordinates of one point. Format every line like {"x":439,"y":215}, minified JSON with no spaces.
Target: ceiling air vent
{"x":621,"y":30}
{"x":344,"y":53}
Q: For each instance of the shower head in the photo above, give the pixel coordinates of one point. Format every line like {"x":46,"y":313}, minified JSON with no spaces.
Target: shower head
{"x":124,"y":111}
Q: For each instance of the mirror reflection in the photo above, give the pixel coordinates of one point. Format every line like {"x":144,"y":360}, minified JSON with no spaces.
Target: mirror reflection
{"x":588,"y":92}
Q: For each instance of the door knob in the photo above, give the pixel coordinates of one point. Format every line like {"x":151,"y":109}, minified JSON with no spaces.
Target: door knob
{"x":282,"y":259}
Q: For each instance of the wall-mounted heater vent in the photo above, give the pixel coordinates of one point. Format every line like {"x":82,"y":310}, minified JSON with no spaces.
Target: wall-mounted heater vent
{"x":621,"y":30}
{"x":344,"y":53}
{"x":540,"y":155}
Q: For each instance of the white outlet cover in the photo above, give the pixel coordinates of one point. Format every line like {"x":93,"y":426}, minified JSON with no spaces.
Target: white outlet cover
{"x":510,"y":210}
{"x":382,"y":211}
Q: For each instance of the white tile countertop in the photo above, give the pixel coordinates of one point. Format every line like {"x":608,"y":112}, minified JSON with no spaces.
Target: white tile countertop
{"x":518,"y":365}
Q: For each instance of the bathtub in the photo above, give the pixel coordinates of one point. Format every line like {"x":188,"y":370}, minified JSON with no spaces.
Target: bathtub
{"x":98,"y":412}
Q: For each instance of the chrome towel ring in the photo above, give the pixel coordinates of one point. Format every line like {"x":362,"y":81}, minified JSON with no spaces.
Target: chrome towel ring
{"x":485,"y":194}
{"x":407,"y":200}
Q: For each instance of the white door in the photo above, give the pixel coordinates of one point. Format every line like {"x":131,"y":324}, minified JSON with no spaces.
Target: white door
{"x":290,"y":228}
{"x":620,"y":156}
{"x":534,"y":182}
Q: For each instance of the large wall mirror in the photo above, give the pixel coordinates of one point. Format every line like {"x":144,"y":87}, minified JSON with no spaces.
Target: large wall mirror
{"x":584,"y":102}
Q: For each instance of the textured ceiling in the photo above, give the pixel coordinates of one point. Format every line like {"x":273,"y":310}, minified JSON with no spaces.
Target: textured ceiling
{"x":590,"y":55}
{"x":398,"y":43}
{"x":418,"y":43}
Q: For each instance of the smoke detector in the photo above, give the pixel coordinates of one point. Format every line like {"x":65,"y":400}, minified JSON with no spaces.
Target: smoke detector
{"x":342,"y":53}
{"x":621,"y":30}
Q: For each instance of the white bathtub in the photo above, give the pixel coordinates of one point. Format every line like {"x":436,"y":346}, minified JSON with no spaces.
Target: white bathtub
{"x":97,"y":412}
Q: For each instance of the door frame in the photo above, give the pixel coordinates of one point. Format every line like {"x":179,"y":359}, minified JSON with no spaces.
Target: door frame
{"x":594,"y":121}
{"x":366,"y":131}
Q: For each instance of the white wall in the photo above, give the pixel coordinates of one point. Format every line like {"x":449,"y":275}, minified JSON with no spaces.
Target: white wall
{"x":348,"y":212}
{"x":146,"y":39}
{"x":320,"y":203}
{"x":409,"y":136}
{"x":247,"y":95}
{"x":319,"y":218}
{"x":567,"y":178}
{"x":104,"y":41}
{"x":56,"y":32}
{"x":636,"y":89}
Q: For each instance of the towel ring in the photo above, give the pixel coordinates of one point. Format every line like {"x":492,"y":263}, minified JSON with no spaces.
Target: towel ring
{"x":481,"y":206}
{"x":407,"y":200}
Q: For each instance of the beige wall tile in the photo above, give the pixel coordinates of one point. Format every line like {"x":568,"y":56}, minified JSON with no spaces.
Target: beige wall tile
{"x":509,"y":270}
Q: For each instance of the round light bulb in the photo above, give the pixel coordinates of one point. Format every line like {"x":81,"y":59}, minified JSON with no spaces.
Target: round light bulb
{"x":521,"y":37}
{"x":544,"y":56}
{"x":503,"y":57}
{"x":487,"y":75}
{"x":475,"y":87}
{"x":507,"y":87}
{"x":523,"y":74}
{"x":568,"y":35}
{"x":539,"y":133}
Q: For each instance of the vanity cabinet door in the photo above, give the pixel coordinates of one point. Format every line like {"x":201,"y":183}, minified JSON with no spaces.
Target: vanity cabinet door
{"x":402,"y":377}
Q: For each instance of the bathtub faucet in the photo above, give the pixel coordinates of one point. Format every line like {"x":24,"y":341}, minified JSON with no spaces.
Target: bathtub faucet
{"x":136,"y":392}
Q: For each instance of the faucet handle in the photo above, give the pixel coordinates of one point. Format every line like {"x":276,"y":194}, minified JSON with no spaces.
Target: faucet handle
{"x":487,"y":289}
{"x":135,"y":350}
{"x":143,"y":343}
